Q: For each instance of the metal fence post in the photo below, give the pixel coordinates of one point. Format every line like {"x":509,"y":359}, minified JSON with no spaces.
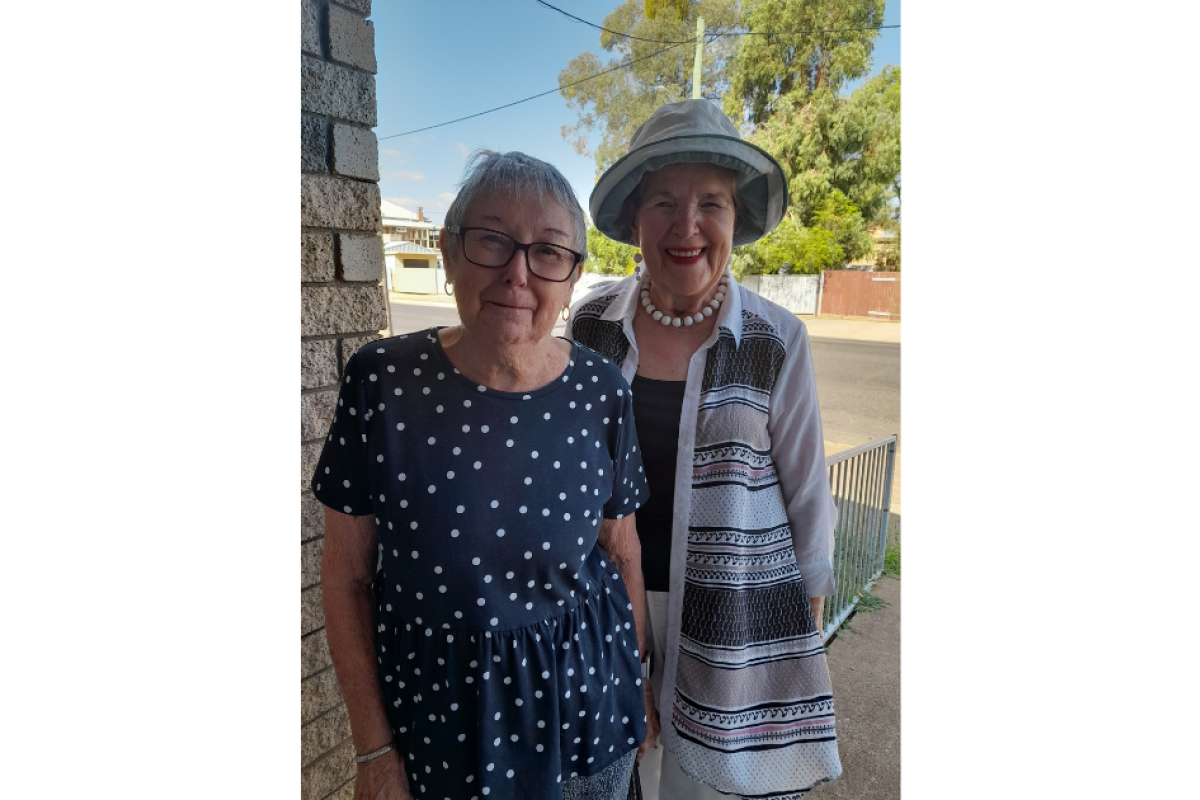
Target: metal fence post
{"x":860,"y":482}
{"x":887,"y":501}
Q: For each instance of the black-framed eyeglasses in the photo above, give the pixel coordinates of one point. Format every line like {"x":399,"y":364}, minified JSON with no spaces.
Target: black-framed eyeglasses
{"x":485,"y":247}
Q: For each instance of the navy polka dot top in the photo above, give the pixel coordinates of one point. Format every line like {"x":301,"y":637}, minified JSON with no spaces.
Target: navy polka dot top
{"x":505,"y":638}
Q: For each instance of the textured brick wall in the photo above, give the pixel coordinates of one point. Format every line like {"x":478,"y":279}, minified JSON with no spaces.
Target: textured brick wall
{"x":342,"y":307}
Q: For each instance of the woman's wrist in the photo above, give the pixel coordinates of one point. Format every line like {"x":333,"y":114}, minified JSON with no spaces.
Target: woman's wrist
{"x":386,"y":762}
{"x":363,"y":758}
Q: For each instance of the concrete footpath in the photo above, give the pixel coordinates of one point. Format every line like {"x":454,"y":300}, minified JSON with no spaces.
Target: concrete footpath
{"x":852,"y":329}
{"x":864,"y":666}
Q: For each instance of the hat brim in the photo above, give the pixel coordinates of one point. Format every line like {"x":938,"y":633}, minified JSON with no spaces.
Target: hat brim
{"x":761,"y":185}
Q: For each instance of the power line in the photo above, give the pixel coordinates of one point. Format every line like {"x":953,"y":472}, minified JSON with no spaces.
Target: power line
{"x":631,"y":62}
{"x":799,"y":33}
{"x":609,"y":30}
{"x":737,"y":33}
{"x":535,"y":96}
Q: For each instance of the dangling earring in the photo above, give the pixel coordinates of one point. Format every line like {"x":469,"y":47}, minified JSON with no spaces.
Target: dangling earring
{"x":448,"y":288}
{"x":565,"y":314}
{"x":637,"y":270}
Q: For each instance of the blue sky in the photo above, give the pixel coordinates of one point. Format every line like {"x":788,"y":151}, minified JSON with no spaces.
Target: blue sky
{"x":446,"y":59}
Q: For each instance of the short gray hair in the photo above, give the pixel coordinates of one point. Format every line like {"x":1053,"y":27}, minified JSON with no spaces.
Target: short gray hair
{"x":525,"y":176}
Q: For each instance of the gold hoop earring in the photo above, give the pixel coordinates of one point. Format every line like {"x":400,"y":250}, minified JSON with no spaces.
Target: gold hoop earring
{"x":565,"y":314}
{"x":448,"y":288}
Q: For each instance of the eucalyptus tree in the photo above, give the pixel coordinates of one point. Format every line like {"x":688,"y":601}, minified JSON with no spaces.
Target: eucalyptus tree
{"x":616,"y":103}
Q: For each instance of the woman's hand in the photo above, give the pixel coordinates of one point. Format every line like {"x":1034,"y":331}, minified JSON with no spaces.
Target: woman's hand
{"x":652,"y":725}
{"x":382,"y":778}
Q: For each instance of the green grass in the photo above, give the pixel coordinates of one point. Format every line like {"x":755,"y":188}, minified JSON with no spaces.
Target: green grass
{"x":869,"y":602}
{"x":891,"y":559}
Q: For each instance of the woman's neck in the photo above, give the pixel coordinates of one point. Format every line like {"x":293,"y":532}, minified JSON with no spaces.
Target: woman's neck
{"x":676,"y":305}
{"x":502,"y":366}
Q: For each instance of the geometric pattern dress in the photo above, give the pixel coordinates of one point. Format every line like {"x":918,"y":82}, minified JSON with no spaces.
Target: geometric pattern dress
{"x":746,"y":705}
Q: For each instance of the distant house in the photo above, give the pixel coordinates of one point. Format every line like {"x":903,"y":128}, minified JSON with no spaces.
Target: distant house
{"x":401,"y":225}
{"x":413,"y":268}
{"x":883,"y":254}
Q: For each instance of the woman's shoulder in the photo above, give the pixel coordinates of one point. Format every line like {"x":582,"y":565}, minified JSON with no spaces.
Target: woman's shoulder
{"x":603,"y":367}
{"x":393,"y":349}
{"x":760,"y":313}
{"x":601,"y":294}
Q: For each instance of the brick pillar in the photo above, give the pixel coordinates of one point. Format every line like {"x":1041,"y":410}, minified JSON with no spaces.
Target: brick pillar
{"x":343,"y":306}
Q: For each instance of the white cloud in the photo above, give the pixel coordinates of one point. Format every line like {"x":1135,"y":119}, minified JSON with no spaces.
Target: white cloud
{"x":447,"y":197}
{"x":390,"y":152}
{"x":462,"y":148}
{"x":407,"y":176}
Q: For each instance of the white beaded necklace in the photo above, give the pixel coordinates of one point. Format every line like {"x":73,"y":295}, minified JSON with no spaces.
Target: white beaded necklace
{"x":686,"y":320}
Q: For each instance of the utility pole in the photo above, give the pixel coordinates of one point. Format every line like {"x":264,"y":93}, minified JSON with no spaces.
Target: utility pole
{"x":699,"y":58}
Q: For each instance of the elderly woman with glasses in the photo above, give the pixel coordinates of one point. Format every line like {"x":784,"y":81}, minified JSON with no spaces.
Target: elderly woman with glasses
{"x":737,"y":536}
{"x":481,"y":574}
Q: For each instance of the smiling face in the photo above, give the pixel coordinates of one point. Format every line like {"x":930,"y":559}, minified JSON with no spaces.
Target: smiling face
{"x":685,"y":227}
{"x":509,"y":305}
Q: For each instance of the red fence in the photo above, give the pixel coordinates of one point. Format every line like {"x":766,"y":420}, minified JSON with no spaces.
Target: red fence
{"x":872,"y":295}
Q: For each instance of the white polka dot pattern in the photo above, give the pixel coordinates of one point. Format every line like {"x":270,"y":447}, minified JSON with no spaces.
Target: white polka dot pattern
{"x":480,"y":618}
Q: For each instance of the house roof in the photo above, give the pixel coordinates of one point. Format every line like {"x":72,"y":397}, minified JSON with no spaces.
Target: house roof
{"x":411,"y":224}
{"x":409,"y":248}
{"x":399,"y":216}
{"x":390,"y":209}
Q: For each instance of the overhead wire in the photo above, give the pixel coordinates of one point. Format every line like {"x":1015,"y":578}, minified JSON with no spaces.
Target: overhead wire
{"x":623,"y":65}
{"x":609,"y":30}
{"x":541,"y":94}
{"x":715,"y":35}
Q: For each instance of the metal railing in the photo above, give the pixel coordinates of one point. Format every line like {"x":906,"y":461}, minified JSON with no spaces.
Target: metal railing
{"x":861,"y":481}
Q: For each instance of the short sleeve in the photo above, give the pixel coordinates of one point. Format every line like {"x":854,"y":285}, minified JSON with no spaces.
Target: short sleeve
{"x":630,"y":489}
{"x":341,"y":480}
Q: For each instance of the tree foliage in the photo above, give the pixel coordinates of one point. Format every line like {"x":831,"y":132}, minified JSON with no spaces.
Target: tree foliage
{"x":818,"y":52}
{"x":841,"y":155}
{"x":606,"y":256}
{"x":790,"y":249}
{"x":616,"y":104}
{"x":826,"y":143}
{"x":837,"y":236}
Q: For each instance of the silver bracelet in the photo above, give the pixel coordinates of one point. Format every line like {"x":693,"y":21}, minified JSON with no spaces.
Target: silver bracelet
{"x":376,"y":754}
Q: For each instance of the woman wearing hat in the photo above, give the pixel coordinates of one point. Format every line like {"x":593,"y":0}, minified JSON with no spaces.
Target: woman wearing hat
{"x":737,"y":536}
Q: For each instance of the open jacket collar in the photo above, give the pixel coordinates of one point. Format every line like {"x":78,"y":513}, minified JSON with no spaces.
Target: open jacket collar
{"x":626,"y":304}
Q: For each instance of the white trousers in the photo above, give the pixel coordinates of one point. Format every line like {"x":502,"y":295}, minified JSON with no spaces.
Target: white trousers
{"x":662,"y":777}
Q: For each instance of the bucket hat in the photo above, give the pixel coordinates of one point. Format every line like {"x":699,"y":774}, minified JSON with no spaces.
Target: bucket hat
{"x":693,"y":132}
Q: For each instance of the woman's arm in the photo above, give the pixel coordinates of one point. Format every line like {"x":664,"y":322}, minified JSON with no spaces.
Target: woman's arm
{"x":347,"y":570}
{"x":619,"y":539}
{"x":798,"y":450}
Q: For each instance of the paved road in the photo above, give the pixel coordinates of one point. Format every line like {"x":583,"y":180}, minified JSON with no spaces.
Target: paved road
{"x":413,"y":316}
{"x":858,"y":382}
{"x":859,"y":387}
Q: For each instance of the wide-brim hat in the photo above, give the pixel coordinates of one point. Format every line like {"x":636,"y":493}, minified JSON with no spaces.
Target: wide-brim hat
{"x":693,"y":132}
